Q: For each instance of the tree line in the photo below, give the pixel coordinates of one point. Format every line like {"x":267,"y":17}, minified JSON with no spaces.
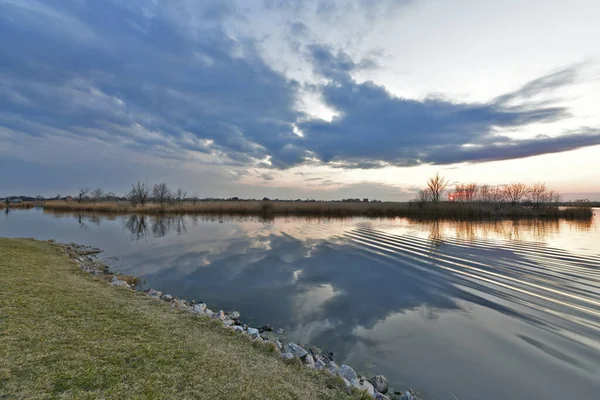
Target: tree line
{"x":513,"y":194}
{"x":140,"y":194}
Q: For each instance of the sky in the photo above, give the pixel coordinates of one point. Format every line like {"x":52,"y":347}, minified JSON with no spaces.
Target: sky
{"x":322,"y":99}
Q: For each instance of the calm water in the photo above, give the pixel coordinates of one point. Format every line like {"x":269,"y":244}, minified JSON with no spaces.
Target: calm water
{"x":472,"y":310}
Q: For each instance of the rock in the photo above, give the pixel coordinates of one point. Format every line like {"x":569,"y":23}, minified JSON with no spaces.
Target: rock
{"x":234,"y":315}
{"x":269,"y":336}
{"x":151,"y":292}
{"x":116,"y":282}
{"x":330,"y":356}
{"x":279,"y":345}
{"x":379,"y":383}
{"x":166,"y":297}
{"x":407,"y":396}
{"x":199,"y":308}
{"x":253,"y":332}
{"x":159,"y":293}
{"x":315,"y":351}
{"x":238,"y":328}
{"x":379,"y":396}
{"x":309,"y":361}
{"x":319,"y":364}
{"x":333,"y":368}
{"x":347,"y":372}
{"x":219,"y":315}
{"x":208,"y":312}
{"x":266,"y":328}
{"x":287,"y":356}
{"x":279,"y":331}
{"x":347,"y":382}
{"x":296,"y":350}
{"x":367,"y":387}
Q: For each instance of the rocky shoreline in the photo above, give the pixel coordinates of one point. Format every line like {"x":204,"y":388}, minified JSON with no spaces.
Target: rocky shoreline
{"x":375,"y":386}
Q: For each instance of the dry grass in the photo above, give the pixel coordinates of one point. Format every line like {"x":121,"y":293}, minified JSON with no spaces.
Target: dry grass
{"x":475,"y":211}
{"x":65,"y":335}
{"x":25,"y":204}
{"x":331,"y":209}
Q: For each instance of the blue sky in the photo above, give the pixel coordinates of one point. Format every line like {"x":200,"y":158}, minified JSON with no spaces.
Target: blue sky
{"x":281,"y":98}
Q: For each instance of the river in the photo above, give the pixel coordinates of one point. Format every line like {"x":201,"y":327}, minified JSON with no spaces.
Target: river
{"x":465,"y":310}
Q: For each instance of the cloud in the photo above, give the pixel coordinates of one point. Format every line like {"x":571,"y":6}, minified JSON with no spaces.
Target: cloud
{"x":160,"y":78}
{"x":374,"y":128}
{"x":179,"y":81}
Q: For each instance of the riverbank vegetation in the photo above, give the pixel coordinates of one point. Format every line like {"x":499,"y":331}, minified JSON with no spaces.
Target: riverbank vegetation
{"x":463,"y":201}
{"x":65,"y":335}
{"x":328,"y":209}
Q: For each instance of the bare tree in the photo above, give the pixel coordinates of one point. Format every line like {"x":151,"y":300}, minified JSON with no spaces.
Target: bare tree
{"x":437,"y":186}
{"x":538,"y":193}
{"x":484,"y":193}
{"x":515,"y":192}
{"x":553,"y":197}
{"x":161,"y":193}
{"x":139,"y":193}
{"x":194,"y":199}
{"x":496,"y":195}
{"x":470,"y":191}
{"x":97,"y":194}
{"x":423,"y":196}
{"x":180,"y":195}
{"x":83,"y":192}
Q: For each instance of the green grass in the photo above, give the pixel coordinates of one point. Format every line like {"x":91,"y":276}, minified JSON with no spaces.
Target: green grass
{"x":66,"y":335}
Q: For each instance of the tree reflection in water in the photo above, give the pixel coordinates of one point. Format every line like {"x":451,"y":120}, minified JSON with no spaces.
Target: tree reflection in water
{"x":160,"y":225}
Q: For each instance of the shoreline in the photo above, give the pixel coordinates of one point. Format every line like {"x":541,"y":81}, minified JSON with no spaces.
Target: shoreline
{"x":327,"y":209}
{"x":375,"y":387}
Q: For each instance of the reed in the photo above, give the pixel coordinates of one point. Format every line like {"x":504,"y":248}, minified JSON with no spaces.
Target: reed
{"x":23,"y":205}
{"x":331,"y":209}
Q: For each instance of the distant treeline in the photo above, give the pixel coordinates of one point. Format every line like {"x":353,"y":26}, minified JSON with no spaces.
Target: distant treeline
{"x":464,"y":201}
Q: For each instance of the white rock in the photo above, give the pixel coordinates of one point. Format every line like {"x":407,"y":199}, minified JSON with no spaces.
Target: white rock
{"x":166,"y":297}
{"x":333,"y":368}
{"x":227,"y":322}
{"x":238,"y":328}
{"x":319,"y":364}
{"x":199,"y":308}
{"x":280,"y":331}
{"x":407,"y":396}
{"x":219,"y":315}
{"x":208,"y":311}
{"x":379,"y":383}
{"x":347,"y":372}
{"x":367,"y":387}
{"x":253,"y":332}
{"x":118,"y":283}
{"x":296,"y":350}
{"x":279,"y":345}
{"x":287,"y":356}
{"x":234,"y":315}
{"x":347,"y":382}
{"x":309,"y":361}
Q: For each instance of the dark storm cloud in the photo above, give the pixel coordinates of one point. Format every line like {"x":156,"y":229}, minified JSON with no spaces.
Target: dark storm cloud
{"x":173,"y":77}
{"x":373,"y":127}
{"x":144,"y":75}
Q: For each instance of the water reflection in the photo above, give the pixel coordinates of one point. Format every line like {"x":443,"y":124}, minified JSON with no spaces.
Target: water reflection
{"x":405,"y":298}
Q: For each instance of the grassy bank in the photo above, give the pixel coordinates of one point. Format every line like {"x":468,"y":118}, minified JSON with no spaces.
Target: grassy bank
{"x":25,"y":204}
{"x":65,"y":335}
{"x":332,"y":209}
